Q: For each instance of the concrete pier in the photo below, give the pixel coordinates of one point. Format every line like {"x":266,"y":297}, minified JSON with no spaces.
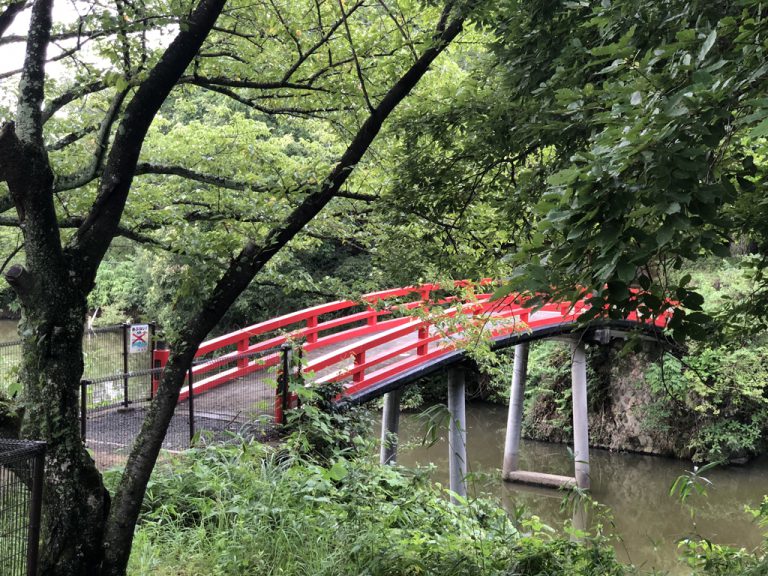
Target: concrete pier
{"x":515,"y":416}
{"x":390,"y":426}
{"x":580,"y":419}
{"x":457,"y":433}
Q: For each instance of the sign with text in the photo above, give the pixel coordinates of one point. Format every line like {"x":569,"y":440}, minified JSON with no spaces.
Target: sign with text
{"x":139,"y":340}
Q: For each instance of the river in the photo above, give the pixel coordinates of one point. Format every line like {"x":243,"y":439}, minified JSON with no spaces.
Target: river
{"x":647,"y":522}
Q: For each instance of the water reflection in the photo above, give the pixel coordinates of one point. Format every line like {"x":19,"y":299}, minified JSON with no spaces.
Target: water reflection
{"x":647,"y":522}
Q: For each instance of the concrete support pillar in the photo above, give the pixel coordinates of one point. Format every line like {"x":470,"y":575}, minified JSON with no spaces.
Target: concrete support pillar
{"x":390,"y":425}
{"x":515,"y":416}
{"x":580,"y":420}
{"x":457,"y":433}
{"x":579,"y":521}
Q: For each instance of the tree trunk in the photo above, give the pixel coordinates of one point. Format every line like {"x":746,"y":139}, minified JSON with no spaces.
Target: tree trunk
{"x":75,"y":502}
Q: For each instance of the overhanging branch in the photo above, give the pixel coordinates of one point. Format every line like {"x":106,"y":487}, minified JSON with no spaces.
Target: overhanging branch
{"x":182,"y":172}
{"x":9,"y":15}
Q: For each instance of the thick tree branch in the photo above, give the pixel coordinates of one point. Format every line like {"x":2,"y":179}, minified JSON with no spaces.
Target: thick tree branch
{"x":218,"y":181}
{"x":71,"y":138}
{"x":270,"y":111}
{"x":9,"y":15}
{"x":77,"y":92}
{"x":76,"y":222}
{"x":357,"y":196}
{"x":251,"y":84}
{"x":29,"y":125}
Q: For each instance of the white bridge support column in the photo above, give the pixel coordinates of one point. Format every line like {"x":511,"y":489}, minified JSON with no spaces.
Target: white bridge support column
{"x":580,"y":420}
{"x":390,"y":426}
{"x":515,"y":416}
{"x":457,"y":433}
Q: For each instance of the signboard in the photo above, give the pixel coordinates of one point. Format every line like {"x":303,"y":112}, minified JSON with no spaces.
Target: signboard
{"x":139,"y":338}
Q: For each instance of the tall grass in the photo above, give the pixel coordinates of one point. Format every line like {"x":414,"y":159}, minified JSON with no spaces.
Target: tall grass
{"x":248,"y":509}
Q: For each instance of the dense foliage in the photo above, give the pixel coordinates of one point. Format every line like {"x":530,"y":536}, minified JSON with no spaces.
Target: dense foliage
{"x":328,"y":508}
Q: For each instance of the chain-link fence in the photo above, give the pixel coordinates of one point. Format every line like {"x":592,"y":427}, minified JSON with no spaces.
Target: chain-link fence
{"x":218,"y":407}
{"x":108,"y":350}
{"x":10,"y":359}
{"x":21,"y":487}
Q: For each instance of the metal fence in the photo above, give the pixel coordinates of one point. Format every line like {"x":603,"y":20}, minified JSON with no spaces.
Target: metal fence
{"x":10,"y":359}
{"x":113,"y":408}
{"x":21,"y":487}
{"x":106,"y":350}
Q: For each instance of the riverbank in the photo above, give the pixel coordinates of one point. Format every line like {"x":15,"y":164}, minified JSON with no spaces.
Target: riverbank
{"x":247,"y":508}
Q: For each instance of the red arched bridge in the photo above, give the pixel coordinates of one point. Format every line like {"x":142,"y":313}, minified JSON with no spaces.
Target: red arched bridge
{"x":376,"y":345}
{"x":389,"y":338}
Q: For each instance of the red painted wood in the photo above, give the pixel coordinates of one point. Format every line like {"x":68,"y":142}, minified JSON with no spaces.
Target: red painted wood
{"x":361,"y":362}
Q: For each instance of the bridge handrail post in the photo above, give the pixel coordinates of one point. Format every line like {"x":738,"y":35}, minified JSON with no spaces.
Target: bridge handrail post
{"x":283,"y":387}
{"x":359,"y":375}
{"x":312,"y":323}
{"x":191,"y":400}
{"x":242,"y":349}
{"x":423,"y":335}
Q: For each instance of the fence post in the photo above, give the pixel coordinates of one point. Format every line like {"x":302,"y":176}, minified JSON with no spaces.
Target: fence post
{"x":152,"y":332}
{"x":159,"y":360}
{"x":191,"y":405}
{"x":83,"y":407}
{"x":35,"y":505}
{"x":285,"y":378}
{"x":126,"y":329}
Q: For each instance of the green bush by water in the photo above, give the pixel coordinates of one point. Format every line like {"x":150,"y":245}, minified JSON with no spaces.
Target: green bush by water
{"x":319,"y":505}
{"x":249,"y":509}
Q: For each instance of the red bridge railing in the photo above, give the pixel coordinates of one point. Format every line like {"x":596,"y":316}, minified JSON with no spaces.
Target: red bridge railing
{"x":388,"y":337}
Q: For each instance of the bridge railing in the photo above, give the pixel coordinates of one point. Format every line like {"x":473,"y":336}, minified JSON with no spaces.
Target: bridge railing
{"x":371,"y":359}
{"x":229,"y":352}
{"x":390,"y":335}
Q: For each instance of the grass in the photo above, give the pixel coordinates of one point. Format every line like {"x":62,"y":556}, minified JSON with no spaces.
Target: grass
{"x":249,"y":509}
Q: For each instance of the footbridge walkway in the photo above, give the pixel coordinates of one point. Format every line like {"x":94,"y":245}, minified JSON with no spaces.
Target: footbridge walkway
{"x":377,"y":345}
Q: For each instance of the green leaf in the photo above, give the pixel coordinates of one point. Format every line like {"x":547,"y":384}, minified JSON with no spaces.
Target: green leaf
{"x":665,"y":233}
{"x":693,"y":300}
{"x":760,"y":130}
{"x":673,"y":208}
{"x":337,"y":472}
{"x":707,"y":46}
{"x":626,"y":271}
{"x":564,"y":177}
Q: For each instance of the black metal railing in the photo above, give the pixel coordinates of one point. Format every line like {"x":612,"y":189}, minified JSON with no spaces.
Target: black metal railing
{"x":21,"y":488}
{"x":107,"y":350}
{"x":113,"y":407}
